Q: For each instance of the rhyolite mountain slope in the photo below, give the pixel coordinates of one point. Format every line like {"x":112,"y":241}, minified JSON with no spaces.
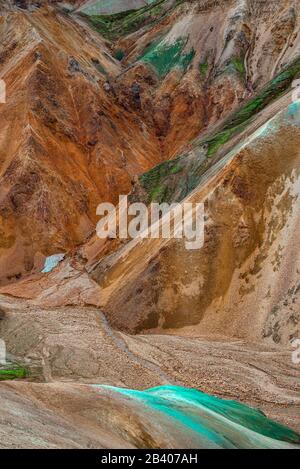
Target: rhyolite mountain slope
{"x":201,"y":58}
{"x":170,"y":101}
{"x":102,"y":110}
{"x":66,"y":143}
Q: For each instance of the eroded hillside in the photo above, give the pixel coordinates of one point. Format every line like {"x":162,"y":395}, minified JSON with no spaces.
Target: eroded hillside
{"x":170,"y":101}
{"x":90,"y":112}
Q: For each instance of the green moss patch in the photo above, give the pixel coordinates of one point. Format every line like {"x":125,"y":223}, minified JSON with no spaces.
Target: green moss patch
{"x":153,"y":180}
{"x":203,"y":68}
{"x":235,"y":65}
{"x":164,"y":57}
{"x":237,"y":122}
{"x":239,"y":65}
{"x":13,"y":371}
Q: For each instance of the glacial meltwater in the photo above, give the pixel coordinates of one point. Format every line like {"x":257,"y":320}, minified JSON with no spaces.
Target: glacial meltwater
{"x":209,"y":422}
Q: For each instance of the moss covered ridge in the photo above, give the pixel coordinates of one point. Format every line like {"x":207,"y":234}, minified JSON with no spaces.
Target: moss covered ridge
{"x":116,"y":25}
{"x":237,"y":122}
{"x":158,"y":182}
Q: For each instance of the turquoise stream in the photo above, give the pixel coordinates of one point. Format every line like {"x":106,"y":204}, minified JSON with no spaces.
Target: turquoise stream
{"x":211,"y":421}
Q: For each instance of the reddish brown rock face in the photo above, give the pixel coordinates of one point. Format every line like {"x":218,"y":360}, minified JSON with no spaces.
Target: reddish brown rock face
{"x":79,"y":126}
{"x":66,"y":143}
